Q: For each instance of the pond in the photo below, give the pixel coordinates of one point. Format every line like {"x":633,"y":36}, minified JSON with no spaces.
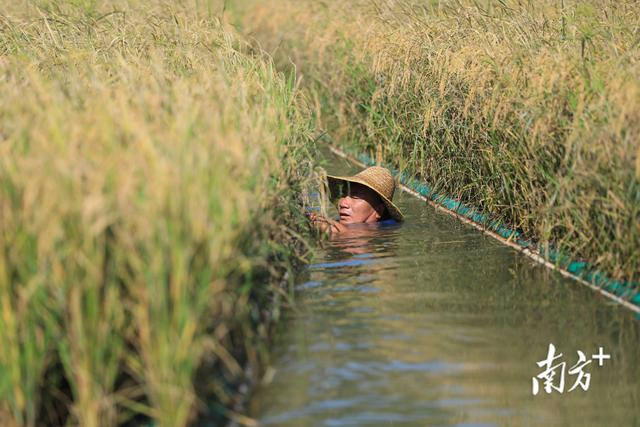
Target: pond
{"x":432,"y":322}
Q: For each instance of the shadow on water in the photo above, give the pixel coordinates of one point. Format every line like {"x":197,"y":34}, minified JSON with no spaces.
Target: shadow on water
{"x":433,"y":323}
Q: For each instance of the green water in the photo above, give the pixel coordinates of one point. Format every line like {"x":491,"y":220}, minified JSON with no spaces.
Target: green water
{"x":433,"y":323}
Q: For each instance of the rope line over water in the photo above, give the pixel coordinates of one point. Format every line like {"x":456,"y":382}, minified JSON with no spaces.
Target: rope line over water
{"x":618,"y":291}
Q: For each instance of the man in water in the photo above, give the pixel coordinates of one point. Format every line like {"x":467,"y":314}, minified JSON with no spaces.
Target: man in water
{"x":364,"y":198}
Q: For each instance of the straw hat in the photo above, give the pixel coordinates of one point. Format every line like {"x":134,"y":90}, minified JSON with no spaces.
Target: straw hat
{"x":378,"y":179}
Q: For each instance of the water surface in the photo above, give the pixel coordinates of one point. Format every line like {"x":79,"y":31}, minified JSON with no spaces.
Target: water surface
{"x":433,"y":323}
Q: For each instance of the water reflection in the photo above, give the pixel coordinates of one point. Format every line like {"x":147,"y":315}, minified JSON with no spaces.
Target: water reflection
{"x":433,"y":323}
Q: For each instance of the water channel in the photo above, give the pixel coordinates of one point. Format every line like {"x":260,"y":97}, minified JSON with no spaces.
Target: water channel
{"x":434,"y":323}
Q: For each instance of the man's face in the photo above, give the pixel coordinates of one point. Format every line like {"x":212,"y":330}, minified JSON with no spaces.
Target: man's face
{"x":360,"y":205}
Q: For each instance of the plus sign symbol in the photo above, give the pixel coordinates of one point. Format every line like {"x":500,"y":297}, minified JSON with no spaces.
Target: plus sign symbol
{"x":601,"y":356}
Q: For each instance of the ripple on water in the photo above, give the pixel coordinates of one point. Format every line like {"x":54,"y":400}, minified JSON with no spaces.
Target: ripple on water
{"x":434,"y":323}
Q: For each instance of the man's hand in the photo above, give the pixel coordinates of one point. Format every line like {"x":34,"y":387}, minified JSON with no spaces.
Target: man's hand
{"x":325,"y":224}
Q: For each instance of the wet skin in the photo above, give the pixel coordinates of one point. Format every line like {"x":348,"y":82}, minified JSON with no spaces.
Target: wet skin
{"x":361,"y":205}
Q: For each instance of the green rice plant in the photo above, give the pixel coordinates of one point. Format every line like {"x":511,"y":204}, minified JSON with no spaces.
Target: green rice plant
{"x":150,"y":173}
{"x":526,"y":110}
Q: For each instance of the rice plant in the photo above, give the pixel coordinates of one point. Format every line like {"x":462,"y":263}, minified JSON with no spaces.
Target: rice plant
{"x":527,"y":110}
{"x":150,"y":165}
